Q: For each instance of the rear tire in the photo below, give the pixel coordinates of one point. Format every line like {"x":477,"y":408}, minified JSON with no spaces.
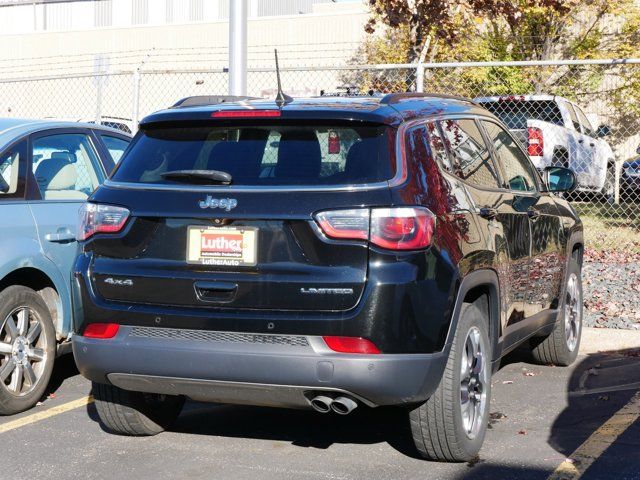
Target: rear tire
{"x":135,"y":413}
{"x":27,"y":349}
{"x":442,"y":428}
{"x":562,"y":345}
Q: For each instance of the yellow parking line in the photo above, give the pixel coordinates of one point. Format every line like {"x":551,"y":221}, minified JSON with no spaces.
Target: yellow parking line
{"x":51,"y":412}
{"x":598,"y":442}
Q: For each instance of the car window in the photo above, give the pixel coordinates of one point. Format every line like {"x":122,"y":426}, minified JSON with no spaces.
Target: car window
{"x":66,"y":166}
{"x":10,"y":170}
{"x":584,"y":121}
{"x":470,"y":159}
{"x":115,"y":145}
{"x":573,"y":116}
{"x":257,"y":154}
{"x":518,"y":171}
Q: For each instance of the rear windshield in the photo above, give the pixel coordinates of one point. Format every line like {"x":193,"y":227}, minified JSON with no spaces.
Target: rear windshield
{"x":262,"y":154}
{"x":515,"y":113}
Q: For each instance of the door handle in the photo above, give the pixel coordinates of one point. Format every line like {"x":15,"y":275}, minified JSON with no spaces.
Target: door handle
{"x":488,"y":212}
{"x":533,"y":213}
{"x":215,"y":291}
{"x":62,"y":236}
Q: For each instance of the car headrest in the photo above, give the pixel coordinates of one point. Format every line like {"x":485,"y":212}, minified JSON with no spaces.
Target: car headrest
{"x":56,"y":174}
{"x":69,"y":157}
{"x":361,"y":158}
{"x":239,"y":159}
{"x":299,"y":155}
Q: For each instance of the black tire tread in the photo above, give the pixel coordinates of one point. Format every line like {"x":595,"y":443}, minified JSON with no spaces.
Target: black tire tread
{"x":433,"y":424}
{"x":126,"y":412}
{"x":553,"y":349}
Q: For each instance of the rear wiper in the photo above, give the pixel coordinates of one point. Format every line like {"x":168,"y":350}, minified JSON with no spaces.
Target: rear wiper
{"x":198,"y":176}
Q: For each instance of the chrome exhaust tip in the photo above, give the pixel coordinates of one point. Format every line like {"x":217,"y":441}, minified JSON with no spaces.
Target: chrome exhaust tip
{"x":343,"y":405}
{"x":321,"y":403}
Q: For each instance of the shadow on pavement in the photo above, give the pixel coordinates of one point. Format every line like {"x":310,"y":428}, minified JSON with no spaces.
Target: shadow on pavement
{"x":601,"y":385}
{"x":63,"y":369}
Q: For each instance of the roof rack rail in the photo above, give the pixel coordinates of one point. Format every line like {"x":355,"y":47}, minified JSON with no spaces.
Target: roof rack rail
{"x":349,"y":91}
{"x":391,"y":98}
{"x":202,"y":100}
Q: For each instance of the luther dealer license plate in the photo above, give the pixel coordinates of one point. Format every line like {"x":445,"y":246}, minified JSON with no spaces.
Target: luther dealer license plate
{"x":224,"y":246}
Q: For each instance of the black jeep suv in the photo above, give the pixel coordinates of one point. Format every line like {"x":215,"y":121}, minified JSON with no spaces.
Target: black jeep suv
{"x":331,"y":253}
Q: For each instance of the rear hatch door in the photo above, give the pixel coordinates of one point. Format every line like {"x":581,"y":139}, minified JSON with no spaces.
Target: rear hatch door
{"x":252,"y":244}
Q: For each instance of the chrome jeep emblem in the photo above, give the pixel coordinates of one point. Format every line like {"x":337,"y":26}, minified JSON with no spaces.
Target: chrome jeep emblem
{"x":227,"y":204}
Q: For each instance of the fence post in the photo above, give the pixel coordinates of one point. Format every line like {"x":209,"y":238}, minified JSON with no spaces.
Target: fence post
{"x":135,"y":110}
{"x":420,"y":66}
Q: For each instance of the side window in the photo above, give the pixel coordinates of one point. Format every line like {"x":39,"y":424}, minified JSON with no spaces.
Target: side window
{"x":436,"y":142}
{"x":470,"y":159}
{"x":518,"y":170}
{"x":573,"y":116}
{"x":584,"y":121}
{"x":115,"y":145}
{"x":66,"y":166}
{"x":10,"y":171}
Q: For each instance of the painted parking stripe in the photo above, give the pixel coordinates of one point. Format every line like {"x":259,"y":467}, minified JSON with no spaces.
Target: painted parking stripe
{"x":587,"y":453}
{"x":51,"y":412}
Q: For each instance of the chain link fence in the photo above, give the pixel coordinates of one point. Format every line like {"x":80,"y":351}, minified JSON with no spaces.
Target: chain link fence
{"x":580,"y":114}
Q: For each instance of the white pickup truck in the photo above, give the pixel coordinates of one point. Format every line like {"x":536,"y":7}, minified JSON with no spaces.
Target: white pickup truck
{"x":555,"y":131}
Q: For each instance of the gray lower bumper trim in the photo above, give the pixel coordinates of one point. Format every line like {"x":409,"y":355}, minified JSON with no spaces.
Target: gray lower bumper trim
{"x":255,"y":373}
{"x":266,"y":395}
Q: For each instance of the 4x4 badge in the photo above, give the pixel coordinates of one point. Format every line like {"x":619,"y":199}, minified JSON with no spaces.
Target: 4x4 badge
{"x":223,"y":203}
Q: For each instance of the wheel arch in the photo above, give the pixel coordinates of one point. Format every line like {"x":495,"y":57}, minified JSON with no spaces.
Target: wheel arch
{"x":36,"y":279}
{"x":483,"y":288}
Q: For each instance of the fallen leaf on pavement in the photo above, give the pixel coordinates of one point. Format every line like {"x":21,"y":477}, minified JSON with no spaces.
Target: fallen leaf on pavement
{"x":522,"y":432}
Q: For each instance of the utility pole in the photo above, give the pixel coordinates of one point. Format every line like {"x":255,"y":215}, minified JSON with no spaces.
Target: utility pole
{"x":237,"y":47}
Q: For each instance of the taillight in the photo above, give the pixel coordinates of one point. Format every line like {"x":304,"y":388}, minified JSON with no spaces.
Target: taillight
{"x":395,"y":228}
{"x":101,"y":330}
{"x":536,"y":142}
{"x":95,"y":218}
{"x":351,"y":345}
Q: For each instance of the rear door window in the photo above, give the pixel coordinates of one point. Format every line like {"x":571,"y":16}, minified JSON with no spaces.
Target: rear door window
{"x":469,"y":156}
{"x":262,"y":154}
{"x":66,"y":166}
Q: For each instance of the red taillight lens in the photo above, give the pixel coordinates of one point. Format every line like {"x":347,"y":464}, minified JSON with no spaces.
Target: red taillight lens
{"x":94,"y":218}
{"x":351,"y":345}
{"x":246,"y":114}
{"x":402,"y":228}
{"x":101,"y":330}
{"x":398,"y":228}
{"x":536,"y":142}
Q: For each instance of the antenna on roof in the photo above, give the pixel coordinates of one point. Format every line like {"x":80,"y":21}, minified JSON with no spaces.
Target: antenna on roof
{"x":281,"y":98}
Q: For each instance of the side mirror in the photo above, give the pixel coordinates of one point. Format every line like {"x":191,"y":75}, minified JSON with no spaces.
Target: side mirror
{"x":603,"y":131}
{"x":560,"y":179}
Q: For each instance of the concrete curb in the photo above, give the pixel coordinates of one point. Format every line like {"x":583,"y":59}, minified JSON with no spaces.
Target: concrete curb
{"x":596,"y":340}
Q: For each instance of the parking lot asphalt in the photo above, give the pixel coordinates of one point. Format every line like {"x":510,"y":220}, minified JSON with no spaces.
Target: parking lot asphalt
{"x":541,"y":416}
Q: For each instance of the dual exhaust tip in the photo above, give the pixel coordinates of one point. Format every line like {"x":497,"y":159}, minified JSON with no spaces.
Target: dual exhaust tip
{"x":340,"y":405}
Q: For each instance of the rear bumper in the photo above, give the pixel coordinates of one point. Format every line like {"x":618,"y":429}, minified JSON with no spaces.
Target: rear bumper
{"x":280,"y":371}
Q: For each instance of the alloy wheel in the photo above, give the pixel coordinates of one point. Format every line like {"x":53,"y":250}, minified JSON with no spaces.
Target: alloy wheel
{"x":572,"y":313}
{"x":474,"y":375}
{"x":23,"y":351}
